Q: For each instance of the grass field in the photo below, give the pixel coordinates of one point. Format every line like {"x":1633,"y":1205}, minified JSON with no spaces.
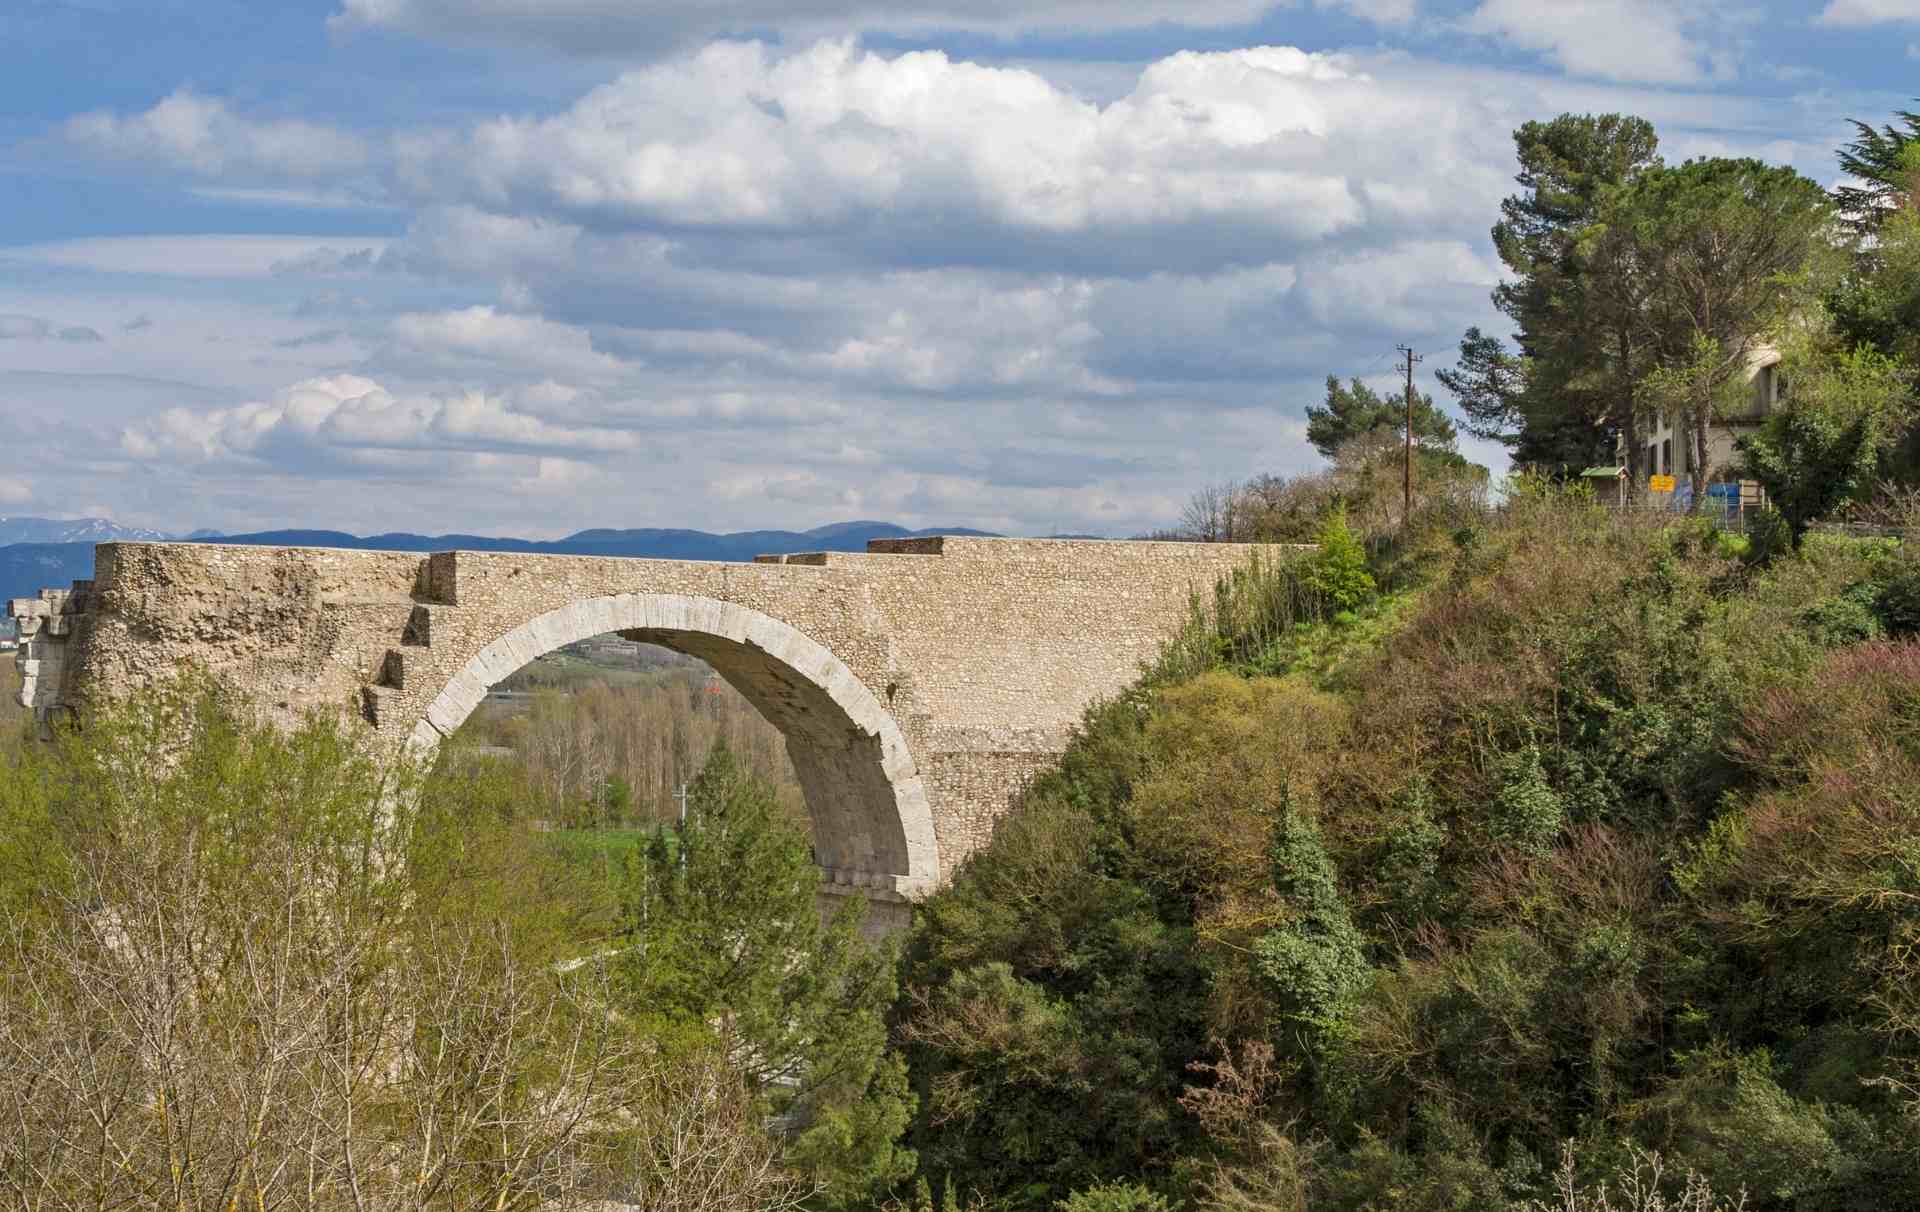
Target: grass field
{"x":600,"y":853}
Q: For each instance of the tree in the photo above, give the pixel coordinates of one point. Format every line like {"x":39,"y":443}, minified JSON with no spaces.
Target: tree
{"x":1881,"y":161}
{"x":1317,"y":961}
{"x":1716,"y":241}
{"x":1365,"y":480}
{"x":1617,"y":278}
{"x":725,"y":946}
{"x":1356,"y":410}
{"x":1877,"y":303}
{"x":1339,"y":569}
{"x":1565,"y":396}
{"x":1209,"y":514}
{"x":245,"y":968}
{"x":1490,"y":385}
{"x":1824,"y":446}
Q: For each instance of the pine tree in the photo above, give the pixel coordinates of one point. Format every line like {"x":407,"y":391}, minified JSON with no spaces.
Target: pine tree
{"x":1560,"y":398}
{"x":1356,"y":410}
{"x":1878,"y":159}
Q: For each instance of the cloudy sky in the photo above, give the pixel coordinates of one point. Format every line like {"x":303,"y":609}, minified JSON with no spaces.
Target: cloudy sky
{"x":527,"y":266}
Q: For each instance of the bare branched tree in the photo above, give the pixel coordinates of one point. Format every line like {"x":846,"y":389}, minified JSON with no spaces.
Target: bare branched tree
{"x":1207,"y":517}
{"x":650,"y":735}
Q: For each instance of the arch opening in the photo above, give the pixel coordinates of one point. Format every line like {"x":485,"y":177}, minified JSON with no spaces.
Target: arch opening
{"x":872,"y":825}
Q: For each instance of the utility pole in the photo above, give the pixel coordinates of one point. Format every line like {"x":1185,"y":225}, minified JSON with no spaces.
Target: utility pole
{"x":680,"y":834}
{"x":1406,"y":467}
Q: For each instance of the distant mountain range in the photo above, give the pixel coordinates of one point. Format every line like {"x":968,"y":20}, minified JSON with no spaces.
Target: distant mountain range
{"x":69,"y":530}
{"x":28,"y":565}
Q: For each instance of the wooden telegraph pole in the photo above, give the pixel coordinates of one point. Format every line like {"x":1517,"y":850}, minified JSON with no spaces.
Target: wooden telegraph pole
{"x":1406,"y":467}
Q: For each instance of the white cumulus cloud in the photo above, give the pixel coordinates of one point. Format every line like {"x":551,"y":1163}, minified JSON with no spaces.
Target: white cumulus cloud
{"x":1649,"y":41}
{"x":1869,"y":12}
{"x":502,"y":342}
{"x":39,"y":328}
{"x":1380,"y":12}
{"x":218,"y":256}
{"x":349,"y":418}
{"x":202,"y":135}
{"x":1266,"y":143}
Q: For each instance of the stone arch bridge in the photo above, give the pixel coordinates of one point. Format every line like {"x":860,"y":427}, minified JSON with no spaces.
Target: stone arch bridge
{"x":919,"y":685}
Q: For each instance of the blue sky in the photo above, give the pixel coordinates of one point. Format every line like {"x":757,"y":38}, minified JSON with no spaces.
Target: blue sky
{"x":528,"y":266}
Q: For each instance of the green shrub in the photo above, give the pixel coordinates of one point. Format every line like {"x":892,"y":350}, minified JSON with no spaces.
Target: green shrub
{"x":724,"y":944}
{"x":1339,"y":569}
{"x":1409,"y":864}
{"x":1317,"y":960}
{"x":1851,"y":617}
{"x":1768,"y":538}
{"x":1253,"y":610}
{"x":1526,"y":812}
{"x":1897,"y":600}
{"x":1725,"y":1116}
{"x":1058,"y":995}
{"x":1115,"y":1197}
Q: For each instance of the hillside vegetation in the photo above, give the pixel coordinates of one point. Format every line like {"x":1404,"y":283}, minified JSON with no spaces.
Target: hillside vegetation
{"x":1467,"y":867}
{"x":1588,"y":838}
{"x":12,"y":715}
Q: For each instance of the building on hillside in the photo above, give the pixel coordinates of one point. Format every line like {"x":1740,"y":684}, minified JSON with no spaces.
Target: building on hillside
{"x":1669,"y":450}
{"x":1609,"y":483}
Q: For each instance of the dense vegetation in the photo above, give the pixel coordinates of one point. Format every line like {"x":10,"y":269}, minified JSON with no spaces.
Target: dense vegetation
{"x":246,"y":969}
{"x":1599,"y":835}
{"x":13,"y":733}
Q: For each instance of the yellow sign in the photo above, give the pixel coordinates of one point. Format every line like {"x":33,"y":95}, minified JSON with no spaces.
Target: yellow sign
{"x":1660,"y":483}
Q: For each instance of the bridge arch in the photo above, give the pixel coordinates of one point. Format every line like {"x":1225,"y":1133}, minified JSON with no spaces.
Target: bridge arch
{"x":872,"y":823}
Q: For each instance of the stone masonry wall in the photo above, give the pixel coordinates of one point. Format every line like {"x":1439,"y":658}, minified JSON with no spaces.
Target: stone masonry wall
{"x":939,"y":672}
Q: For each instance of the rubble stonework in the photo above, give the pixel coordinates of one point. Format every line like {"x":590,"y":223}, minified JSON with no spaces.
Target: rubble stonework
{"x":44,"y":624}
{"x":919,"y":684}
